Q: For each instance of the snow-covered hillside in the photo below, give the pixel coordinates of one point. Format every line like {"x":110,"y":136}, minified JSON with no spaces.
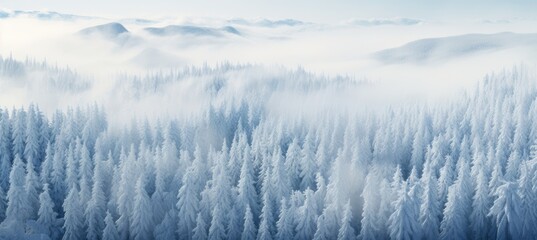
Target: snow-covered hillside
{"x":292,"y":121}
{"x":238,"y":170}
{"x":455,"y":47}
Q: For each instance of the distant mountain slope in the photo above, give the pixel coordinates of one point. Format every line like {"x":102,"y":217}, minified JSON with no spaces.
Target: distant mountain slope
{"x":433,"y":49}
{"x":173,"y":30}
{"x":267,"y":23}
{"x":111,"y":30}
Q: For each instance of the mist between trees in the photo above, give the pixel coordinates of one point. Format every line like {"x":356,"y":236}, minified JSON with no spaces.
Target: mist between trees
{"x":460,"y":170}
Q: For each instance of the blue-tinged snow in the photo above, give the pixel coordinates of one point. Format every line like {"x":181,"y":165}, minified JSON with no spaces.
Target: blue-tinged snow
{"x":384,"y":21}
{"x":188,"y":30}
{"x":209,"y":128}
{"x":267,"y":22}
{"x":110,"y":30}
{"x":453,"y":47}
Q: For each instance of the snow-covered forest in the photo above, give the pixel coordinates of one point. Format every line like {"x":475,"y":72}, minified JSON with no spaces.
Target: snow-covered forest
{"x":462,"y":170}
{"x":268,"y":120}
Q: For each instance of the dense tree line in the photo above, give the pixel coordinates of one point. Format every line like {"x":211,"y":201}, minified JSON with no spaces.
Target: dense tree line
{"x":463,"y":170}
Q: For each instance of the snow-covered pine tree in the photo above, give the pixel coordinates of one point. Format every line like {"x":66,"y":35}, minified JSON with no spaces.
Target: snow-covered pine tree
{"x":249,"y":230}
{"x":187,"y":204}
{"x":32,"y":187}
{"x":45,"y":174}
{"x":19,"y":132}
{"x":527,"y":198}
{"x":85,"y":174}
{"x":346,"y":231}
{"x":17,"y":197}
{"x":110,"y":230}
{"x":285,"y":224}
{"x":506,"y":212}
{"x":126,"y":193}
{"x":321,"y":232}
{"x":480,"y":223}
{"x":96,"y":209}
{"x":308,"y":165}
{"x":3,"y":204}
{"x":292,"y":163}
{"x":430,"y":209}
{"x":200,"y":231}
{"x":5,"y":149}
{"x":306,"y":226}
{"x":47,"y":217}
{"x":32,"y":148}
{"x":403,"y":222}
{"x":247,"y":193}
{"x":142,"y":220}
{"x":280,"y":182}
{"x":167,"y":228}
{"x":266,"y":226}
{"x":74,"y":216}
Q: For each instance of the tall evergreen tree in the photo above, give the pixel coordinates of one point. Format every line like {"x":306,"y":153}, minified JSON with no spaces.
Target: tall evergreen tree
{"x":249,"y":230}
{"x":85,"y":174}
{"x":285,"y":224}
{"x":308,"y":166}
{"x":321,"y":232}
{"x":346,"y":232}
{"x":167,"y":229}
{"x":47,"y":217}
{"x":404,"y":222}
{"x":527,"y":198}
{"x":480,"y":222}
{"x":110,"y":231}
{"x":506,"y":212}
{"x":17,"y":197}
{"x":32,"y":187}
{"x":200,"y":231}
{"x":292,"y":163}
{"x":188,"y":204}
{"x":307,"y":217}
{"x":32,"y":146}
{"x":46,"y":166}
{"x":58,"y":184}
{"x":126,"y":193}
{"x":217,"y":230}
{"x":266,"y":227}
{"x":96,"y":209}
{"x":430,"y":209}
{"x":74,"y":215}
{"x":19,"y":132}
{"x":142,"y":219}
{"x":247,"y":193}
{"x":3,"y":204}
{"x":5,"y":149}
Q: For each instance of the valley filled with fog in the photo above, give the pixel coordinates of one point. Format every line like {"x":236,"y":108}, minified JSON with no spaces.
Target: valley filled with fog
{"x":261,"y":128}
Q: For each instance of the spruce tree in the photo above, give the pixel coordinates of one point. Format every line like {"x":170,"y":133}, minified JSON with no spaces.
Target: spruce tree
{"x":506,"y":212}
{"x":249,"y":230}
{"x":187,"y":204}
{"x":306,"y":226}
{"x":110,"y":230}
{"x":73,"y":225}
{"x":200,"y":231}
{"x":47,"y":217}
{"x":285,"y":224}
{"x":17,"y":197}
{"x":142,"y":219}
{"x":346,"y":232}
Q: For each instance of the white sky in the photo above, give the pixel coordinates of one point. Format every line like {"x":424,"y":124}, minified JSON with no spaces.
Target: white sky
{"x":308,"y":10}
